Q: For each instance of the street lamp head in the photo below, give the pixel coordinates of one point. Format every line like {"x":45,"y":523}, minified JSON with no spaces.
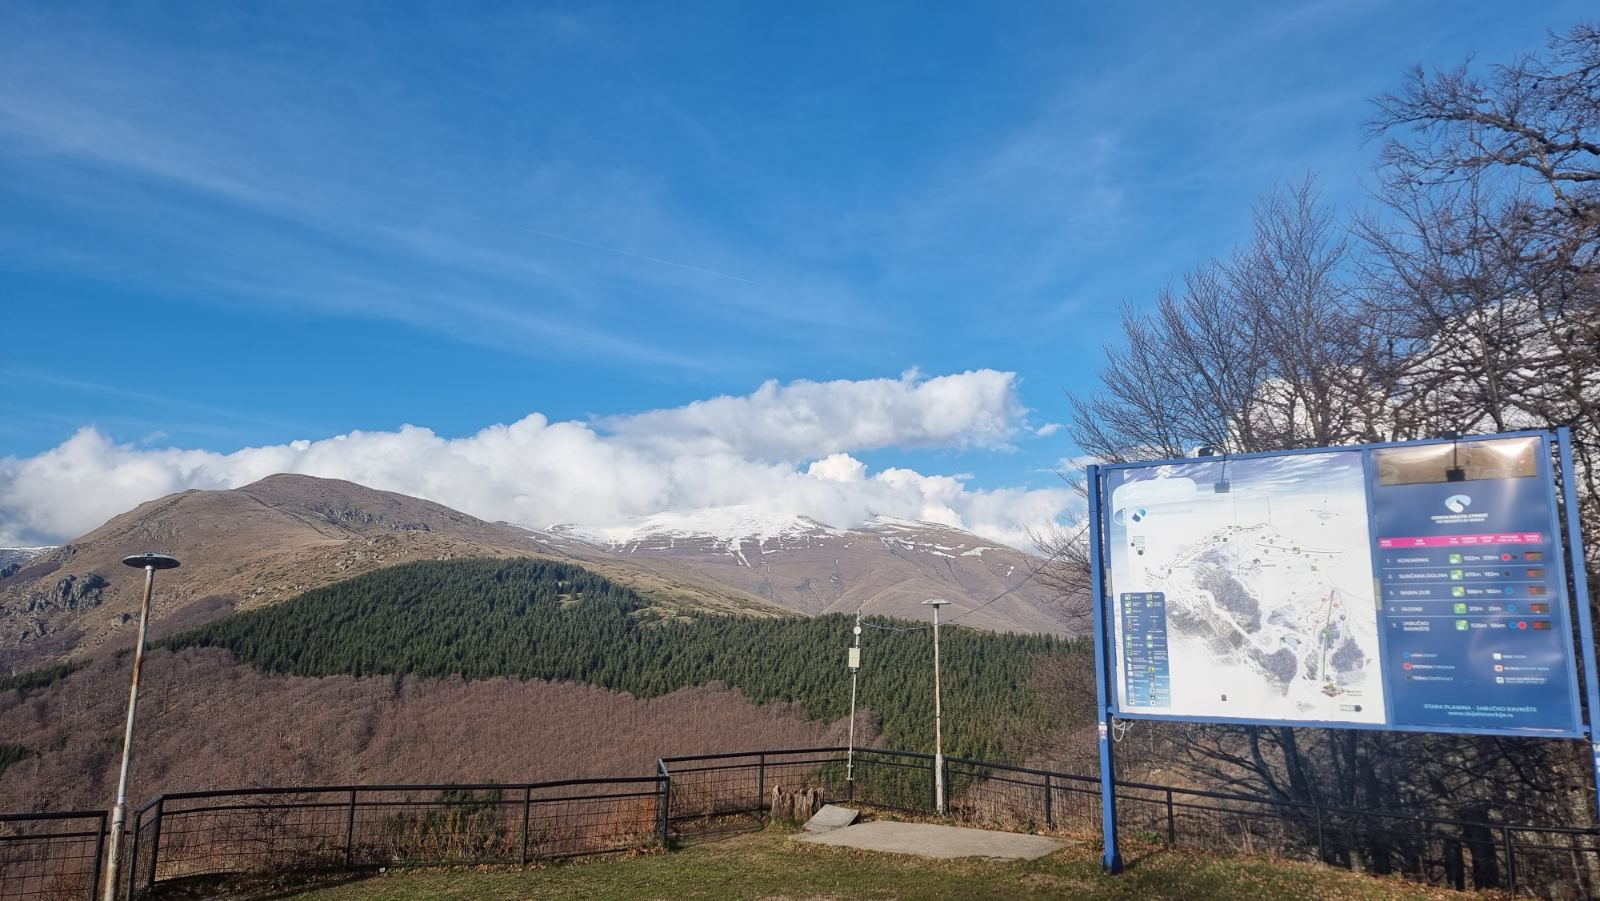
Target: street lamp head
{"x":150,"y":561}
{"x":935,"y":602}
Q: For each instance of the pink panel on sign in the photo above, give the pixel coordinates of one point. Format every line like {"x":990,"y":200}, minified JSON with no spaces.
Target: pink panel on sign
{"x":1463,"y":540}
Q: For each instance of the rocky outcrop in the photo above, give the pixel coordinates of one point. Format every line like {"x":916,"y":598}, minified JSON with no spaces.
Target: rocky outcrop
{"x":73,"y":594}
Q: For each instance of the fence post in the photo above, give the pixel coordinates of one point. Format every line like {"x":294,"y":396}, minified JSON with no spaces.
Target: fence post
{"x":933,"y":783}
{"x":527,"y":810}
{"x":155,"y":842}
{"x":350,"y":831}
{"x":99,"y":859}
{"x":664,"y":802}
{"x":1322,"y":844}
{"x":1511,"y":859}
{"x":761,"y":782}
{"x":1172,"y":823}
{"x":1049,"y":811}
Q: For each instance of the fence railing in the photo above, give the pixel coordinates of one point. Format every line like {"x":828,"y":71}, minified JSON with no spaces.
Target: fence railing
{"x":1555,"y":861}
{"x":242,"y":831}
{"x":181,"y":836}
{"x":51,"y":856}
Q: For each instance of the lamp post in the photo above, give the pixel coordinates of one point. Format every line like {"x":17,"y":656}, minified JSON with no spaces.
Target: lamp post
{"x":938,"y":725}
{"x":149,"y":563}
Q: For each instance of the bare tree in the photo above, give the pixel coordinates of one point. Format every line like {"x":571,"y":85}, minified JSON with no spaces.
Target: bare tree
{"x":1487,"y":262}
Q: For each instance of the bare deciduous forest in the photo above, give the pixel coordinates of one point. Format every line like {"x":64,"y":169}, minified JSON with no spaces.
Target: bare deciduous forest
{"x":209,"y":722}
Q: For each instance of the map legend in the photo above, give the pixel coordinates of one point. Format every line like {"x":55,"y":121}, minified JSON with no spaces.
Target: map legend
{"x":1472,"y":608}
{"x":1144,"y":631}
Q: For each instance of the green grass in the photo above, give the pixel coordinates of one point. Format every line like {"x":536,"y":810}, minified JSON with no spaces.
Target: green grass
{"x":768,"y":865}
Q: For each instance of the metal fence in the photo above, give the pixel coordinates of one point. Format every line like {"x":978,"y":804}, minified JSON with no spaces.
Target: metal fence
{"x":51,"y":856}
{"x":1549,"y":861}
{"x":244,"y":831}
{"x":178,"y":837}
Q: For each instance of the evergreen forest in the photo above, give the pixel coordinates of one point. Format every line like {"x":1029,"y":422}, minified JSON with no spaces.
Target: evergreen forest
{"x":535,"y":619}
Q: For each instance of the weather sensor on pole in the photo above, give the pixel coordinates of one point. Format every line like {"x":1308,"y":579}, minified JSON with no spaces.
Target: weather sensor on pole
{"x":855,"y":669}
{"x":938,"y":728}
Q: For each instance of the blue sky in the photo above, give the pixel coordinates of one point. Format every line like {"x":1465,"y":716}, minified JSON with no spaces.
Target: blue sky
{"x":225,"y":226}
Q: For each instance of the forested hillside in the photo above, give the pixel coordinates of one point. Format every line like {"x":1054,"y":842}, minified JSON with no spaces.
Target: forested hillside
{"x":535,"y":619}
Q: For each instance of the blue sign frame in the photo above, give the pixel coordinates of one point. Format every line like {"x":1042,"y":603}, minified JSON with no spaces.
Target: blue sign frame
{"x":1574,"y":604}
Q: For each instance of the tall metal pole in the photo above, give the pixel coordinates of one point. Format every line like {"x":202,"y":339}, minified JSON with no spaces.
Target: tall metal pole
{"x":150,"y":563}
{"x":1580,"y":600}
{"x":1111,"y":862}
{"x":938,"y":713}
{"x":855,"y":670}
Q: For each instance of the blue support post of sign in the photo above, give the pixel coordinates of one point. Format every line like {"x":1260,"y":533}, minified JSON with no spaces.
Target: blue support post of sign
{"x":1112,"y":861}
{"x":1580,"y":600}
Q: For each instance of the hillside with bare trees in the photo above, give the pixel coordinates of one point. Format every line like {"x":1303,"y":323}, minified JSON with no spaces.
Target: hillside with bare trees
{"x":207,"y":721}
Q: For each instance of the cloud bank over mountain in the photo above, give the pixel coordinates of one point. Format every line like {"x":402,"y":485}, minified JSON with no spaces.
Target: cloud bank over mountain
{"x":783,"y":449}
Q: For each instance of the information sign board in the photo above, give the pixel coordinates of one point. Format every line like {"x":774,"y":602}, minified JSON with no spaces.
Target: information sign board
{"x":1414,"y":586}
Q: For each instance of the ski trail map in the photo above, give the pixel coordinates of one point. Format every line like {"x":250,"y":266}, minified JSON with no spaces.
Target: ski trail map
{"x":1244,"y":589}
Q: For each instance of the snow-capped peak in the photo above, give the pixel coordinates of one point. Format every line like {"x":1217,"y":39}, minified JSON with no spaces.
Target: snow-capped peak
{"x":725,"y":524}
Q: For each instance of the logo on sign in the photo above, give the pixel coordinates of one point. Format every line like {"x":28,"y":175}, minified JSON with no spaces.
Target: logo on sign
{"x":1457,"y":503}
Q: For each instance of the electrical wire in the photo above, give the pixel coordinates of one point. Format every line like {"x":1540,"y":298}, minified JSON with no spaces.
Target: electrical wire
{"x":1032,"y":574}
{"x":895,"y":628}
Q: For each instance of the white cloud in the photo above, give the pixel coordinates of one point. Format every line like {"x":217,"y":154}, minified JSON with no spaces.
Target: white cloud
{"x":1049,"y":428}
{"x":782,"y":450}
{"x":838,"y":468}
{"x":801,"y":419}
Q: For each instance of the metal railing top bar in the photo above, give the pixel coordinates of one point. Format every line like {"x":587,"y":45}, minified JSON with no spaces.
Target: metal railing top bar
{"x":35,"y":836}
{"x":431,"y":786}
{"x":1006,"y":767}
{"x":53,"y":815}
{"x":726,"y":756}
{"x":514,"y":799}
{"x":753,"y":765}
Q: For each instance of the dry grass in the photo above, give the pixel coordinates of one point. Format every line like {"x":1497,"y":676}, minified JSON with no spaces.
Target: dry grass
{"x":768,"y":865}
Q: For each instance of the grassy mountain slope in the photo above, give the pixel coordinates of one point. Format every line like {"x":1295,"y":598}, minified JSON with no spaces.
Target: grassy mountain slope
{"x":533,"y":619}
{"x":271,"y":540}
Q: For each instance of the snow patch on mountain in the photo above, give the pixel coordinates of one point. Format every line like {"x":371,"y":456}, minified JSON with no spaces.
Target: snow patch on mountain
{"x":20,"y":555}
{"x":733,"y":524}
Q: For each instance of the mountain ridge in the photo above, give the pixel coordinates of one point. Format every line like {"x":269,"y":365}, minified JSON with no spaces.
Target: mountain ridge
{"x":285,"y":534}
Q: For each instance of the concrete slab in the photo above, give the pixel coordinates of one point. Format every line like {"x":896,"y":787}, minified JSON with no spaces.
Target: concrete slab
{"x":930,"y":840}
{"x":831,"y":817}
